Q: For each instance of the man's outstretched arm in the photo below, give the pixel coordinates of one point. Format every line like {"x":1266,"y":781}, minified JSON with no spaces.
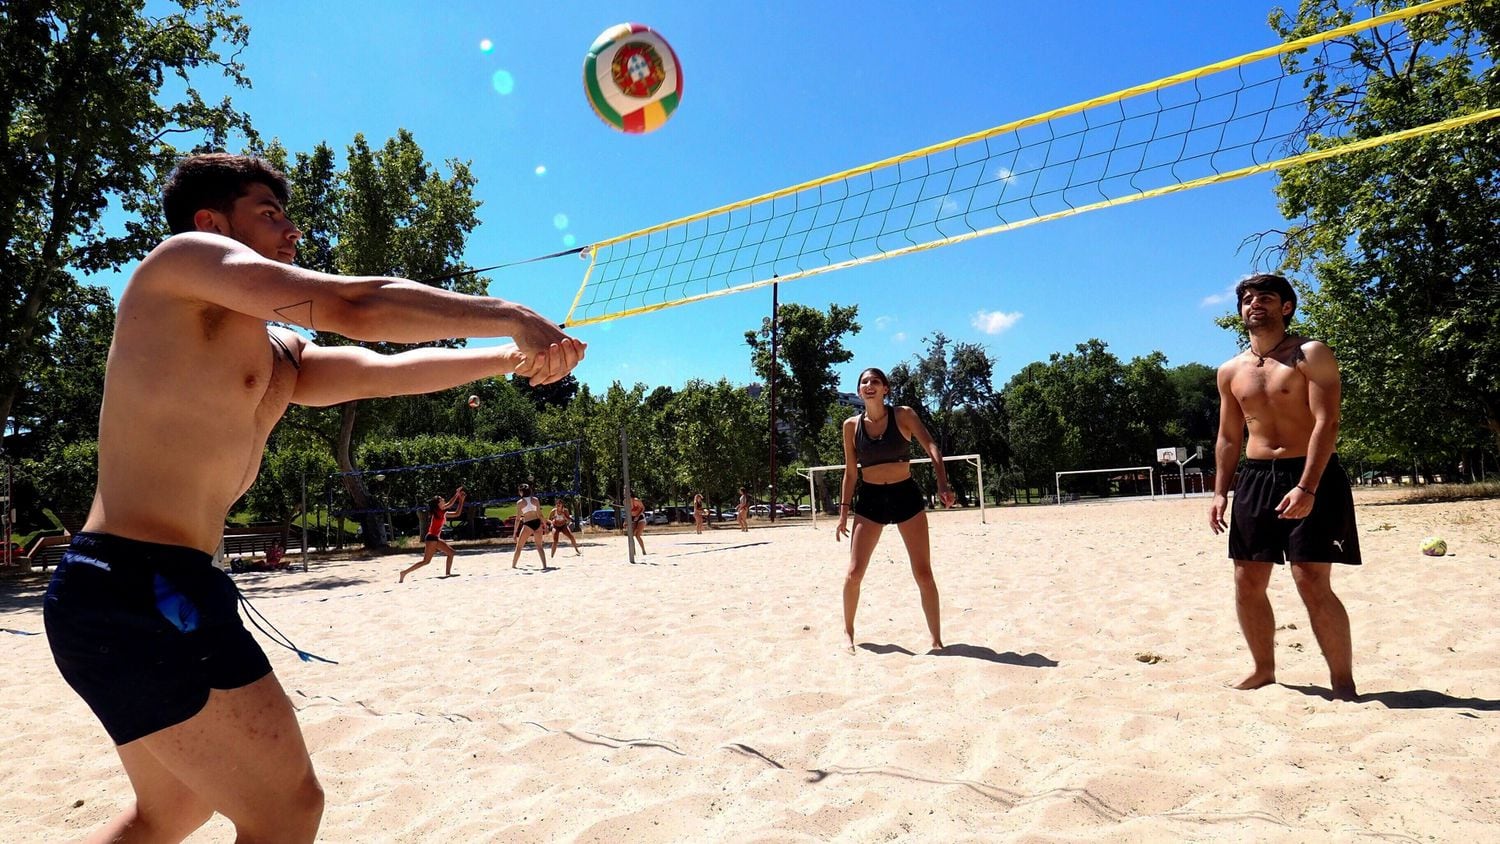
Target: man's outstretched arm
{"x":215,"y":269}
{"x":334,"y":374}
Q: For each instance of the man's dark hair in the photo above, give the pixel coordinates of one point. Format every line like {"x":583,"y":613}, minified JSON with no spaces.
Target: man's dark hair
{"x":1268,"y":283}
{"x":214,"y":180}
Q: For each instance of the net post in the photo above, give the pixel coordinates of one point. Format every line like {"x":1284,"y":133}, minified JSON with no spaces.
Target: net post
{"x":304,"y":515}
{"x":812,"y":495}
{"x":979,"y":464}
{"x":629,"y":498}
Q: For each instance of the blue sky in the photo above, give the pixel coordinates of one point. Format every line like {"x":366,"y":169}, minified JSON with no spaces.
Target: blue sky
{"x":777,"y":93}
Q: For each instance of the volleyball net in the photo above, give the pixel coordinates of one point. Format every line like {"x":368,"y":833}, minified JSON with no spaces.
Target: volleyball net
{"x":399,"y":496}
{"x":1235,"y":118}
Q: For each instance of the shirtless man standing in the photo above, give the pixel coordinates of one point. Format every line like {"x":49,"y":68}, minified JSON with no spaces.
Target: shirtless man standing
{"x":1292,"y":501}
{"x":141,"y":624}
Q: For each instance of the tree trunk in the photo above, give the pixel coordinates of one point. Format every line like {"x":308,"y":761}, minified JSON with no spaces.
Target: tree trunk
{"x":372,"y":530}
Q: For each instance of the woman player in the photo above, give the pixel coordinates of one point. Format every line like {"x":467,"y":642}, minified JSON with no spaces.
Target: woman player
{"x":742,"y":510}
{"x":438,"y":511}
{"x":528,"y":525}
{"x":562,"y":523}
{"x":698,"y":514}
{"x":638,"y":522}
{"x":878,"y":441}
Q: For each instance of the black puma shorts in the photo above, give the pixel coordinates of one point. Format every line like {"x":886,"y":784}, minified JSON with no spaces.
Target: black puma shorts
{"x":1257,"y":533}
{"x":888,"y":504}
{"x":143,"y":631}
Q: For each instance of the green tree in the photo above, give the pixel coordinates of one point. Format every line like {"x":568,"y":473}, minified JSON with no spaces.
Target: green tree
{"x":1197,"y":418}
{"x":951,"y":386}
{"x":1151,"y":406}
{"x":720,"y":430}
{"x":1086,"y":410}
{"x":809,"y":346}
{"x":86,"y":126}
{"x":64,"y":382}
{"x":388,"y":213}
{"x":1033,"y":399}
{"x":1400,"y":242}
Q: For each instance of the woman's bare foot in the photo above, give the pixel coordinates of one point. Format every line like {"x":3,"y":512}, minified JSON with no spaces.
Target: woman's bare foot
{"x":1256,"y":680}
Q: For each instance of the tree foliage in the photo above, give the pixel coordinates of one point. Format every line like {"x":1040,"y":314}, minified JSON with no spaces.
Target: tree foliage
{"x":951,"y":387}
{"x":1400,"y":243}
{"x":389,"y":212}
{"x":809,"y":346}
{"x":1087,"y":410}
{"x":86,"y":126}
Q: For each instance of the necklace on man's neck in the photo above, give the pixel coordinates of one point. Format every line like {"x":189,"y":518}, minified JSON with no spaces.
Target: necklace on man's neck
{"x":1262,"y":361}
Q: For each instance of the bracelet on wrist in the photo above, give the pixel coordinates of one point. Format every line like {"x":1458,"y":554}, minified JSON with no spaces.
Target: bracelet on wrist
{"x":1306,"y":490}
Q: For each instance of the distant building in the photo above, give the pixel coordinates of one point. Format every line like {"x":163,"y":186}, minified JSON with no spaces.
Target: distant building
{"x":851,"y":400}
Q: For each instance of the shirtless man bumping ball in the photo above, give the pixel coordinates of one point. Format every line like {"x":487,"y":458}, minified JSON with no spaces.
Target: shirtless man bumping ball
{"x":141,"y":624}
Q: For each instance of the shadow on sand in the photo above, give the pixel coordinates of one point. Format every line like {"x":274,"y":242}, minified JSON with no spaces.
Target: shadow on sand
{"x":1031,"y":660}
{"x":1409,"y":699}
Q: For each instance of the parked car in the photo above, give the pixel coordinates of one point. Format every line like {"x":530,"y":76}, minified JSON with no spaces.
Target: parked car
{"x":656,"y":517}
{"x":804,"y":509}
{"x":786,"y":510}
{"x":604,"y":519}
{"x":679,"y":514}
{"x":760,"y":509}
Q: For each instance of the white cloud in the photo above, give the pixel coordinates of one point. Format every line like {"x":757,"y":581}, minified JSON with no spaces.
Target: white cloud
{"x":1003,"y":174}
{"x":898,"y":337}
{"x":995,"y":322}
{"x":883,"y":322}
{"x":1223,"y":298}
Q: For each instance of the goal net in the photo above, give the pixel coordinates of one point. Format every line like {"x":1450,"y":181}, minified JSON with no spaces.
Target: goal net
{"x":1119,"y":482}
{"x":965,"y":478}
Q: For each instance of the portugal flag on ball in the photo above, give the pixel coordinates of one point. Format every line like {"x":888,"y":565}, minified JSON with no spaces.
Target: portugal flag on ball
{"x":632,"y":78}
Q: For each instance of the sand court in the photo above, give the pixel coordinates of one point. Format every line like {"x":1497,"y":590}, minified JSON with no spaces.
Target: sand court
{"x":703,"y":694}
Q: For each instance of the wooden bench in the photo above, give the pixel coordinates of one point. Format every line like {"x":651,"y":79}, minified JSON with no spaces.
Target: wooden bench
{"x":47,"y":551}
{"x":252,"y":541}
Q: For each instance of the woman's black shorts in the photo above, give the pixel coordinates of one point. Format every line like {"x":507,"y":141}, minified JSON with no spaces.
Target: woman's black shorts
{"x":888,"y":504}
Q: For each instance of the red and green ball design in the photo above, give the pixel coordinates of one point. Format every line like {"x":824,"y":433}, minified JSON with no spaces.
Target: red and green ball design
{"x":632,"y":78}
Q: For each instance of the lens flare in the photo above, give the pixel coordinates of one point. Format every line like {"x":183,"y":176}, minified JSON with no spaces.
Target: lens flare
{"x":560,"y":221}
{"x":503,"y":82}
{"x":569,"y":240}
{"x":541,"y":169}
{"x":486,"y":46}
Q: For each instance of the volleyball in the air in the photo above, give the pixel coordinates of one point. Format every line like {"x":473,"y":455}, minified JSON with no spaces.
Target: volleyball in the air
{"x":1433,"y":546}
{"x":473,"y":401}
{"x":632,"y":78}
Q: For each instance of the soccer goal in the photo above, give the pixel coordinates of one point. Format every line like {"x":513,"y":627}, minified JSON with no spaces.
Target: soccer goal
{"x":1122,"y":480}
{"x":960,"y":488}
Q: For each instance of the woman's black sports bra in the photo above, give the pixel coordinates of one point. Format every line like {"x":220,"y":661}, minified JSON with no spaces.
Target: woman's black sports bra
{"x":892,"y":447}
